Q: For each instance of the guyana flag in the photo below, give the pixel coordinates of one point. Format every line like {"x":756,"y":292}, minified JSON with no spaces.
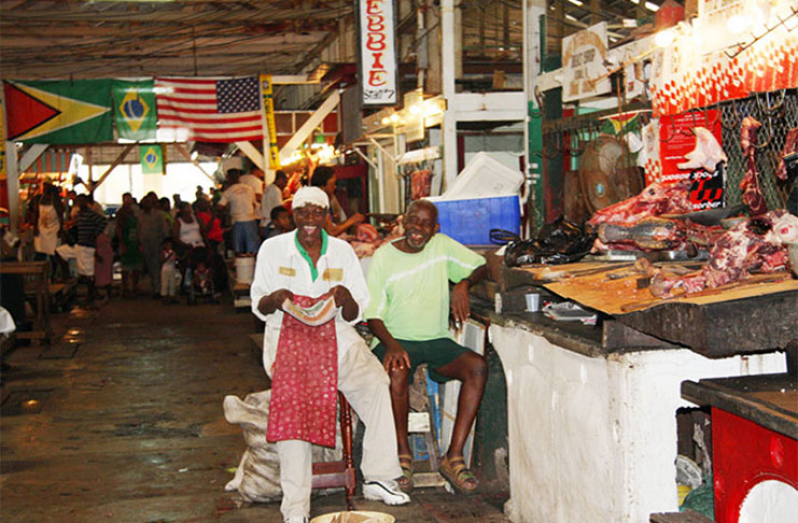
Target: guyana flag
{"x":151,"y":156}
{"x":58,"y":112}
{"x":134,"y":110}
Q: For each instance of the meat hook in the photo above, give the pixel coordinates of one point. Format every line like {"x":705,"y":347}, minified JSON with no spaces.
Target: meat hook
{"x":737,"y":120}
{"x":770,"y":109}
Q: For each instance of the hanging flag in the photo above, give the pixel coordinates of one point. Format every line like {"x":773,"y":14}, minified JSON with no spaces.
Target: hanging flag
{"x":209,"y":109}
{"x":59,"y":112}
{"x":134,"y":110}
{"x":152,"y":161}
{"x":271,"y":126}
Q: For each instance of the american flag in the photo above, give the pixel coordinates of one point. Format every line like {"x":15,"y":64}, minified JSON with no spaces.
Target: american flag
{"x":209,"y":109}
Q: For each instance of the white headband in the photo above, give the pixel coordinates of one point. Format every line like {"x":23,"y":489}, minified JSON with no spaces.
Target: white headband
{"x":310,"y":196}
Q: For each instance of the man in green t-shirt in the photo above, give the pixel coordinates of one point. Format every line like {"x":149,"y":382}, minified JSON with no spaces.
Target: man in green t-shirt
{"x":409,"y":315}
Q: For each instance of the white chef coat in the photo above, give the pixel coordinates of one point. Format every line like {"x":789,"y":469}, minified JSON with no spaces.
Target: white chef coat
{"x":281,"y":266}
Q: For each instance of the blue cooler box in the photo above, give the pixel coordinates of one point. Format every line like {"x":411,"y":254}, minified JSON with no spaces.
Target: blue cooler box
{"x":470,"y":221}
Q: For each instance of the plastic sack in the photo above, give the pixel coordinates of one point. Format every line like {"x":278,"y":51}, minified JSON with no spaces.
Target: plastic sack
{"x":257,"y":477}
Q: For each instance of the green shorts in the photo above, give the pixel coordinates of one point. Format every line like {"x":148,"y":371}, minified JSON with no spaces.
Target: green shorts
{"x":435,"y":353}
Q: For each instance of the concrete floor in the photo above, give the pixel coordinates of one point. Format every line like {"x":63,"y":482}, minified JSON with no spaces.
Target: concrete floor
{"x":121,"y":420}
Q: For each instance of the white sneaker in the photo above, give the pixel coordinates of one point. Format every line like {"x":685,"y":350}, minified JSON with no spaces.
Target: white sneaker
{"x":386,"y":491}
{"x":296,"y":519}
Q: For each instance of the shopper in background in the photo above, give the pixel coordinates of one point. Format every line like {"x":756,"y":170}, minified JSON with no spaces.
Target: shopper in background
{"x":169,"y":272}
{"x":89,"y":225}
{"x":255,"y":181}
{"x":129,"y":248}
{"x":337,"y":222}
{"x":152,"y":229}
{"x":272,"y":198}
{"x":240,"y":199}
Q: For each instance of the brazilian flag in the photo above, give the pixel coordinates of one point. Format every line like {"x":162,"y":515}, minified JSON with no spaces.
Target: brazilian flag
{"x":134,"y":110}
{"x":151,"y":156}
{"x":58,"y":112}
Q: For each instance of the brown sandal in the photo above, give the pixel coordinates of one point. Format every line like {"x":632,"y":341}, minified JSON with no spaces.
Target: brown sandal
{"x":456,"y":473}
{"x":405,"y":481}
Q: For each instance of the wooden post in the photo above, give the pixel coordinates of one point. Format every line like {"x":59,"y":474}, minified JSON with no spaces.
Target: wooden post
{"x":119,"y":159}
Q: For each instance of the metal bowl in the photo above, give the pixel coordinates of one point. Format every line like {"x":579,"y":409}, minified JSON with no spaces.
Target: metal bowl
{"x":356,"y":516}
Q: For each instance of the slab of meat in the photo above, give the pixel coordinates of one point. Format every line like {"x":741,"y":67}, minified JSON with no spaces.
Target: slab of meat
{"x":367,"y":233}
{"x":707,"y":153}
{"x":752,"y":246}
{"x":649,"y":234}
{"x":790,"y":147}
{"x":420,"y":184}
{"x":654,"y":200}
{"x":752,"y":193}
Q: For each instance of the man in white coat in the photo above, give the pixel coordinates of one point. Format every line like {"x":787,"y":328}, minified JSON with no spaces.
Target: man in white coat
{"x":310,"y":263}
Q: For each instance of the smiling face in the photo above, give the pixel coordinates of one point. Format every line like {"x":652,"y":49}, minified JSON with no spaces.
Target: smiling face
{"x":309,"y":222}
{"x":421,"y":224}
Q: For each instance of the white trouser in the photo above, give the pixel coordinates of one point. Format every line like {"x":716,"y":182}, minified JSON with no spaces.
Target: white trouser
{"x":364,"y":382}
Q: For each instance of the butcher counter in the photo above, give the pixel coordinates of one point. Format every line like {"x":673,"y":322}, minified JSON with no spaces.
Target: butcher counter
{"x":592,"y":409}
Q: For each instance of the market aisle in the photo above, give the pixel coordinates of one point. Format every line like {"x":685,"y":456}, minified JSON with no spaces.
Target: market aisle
{"x":131,"y":429}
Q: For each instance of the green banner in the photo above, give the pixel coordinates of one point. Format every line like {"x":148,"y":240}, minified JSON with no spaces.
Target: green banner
{"x":58,"y":112}
{"x":151,"y":156}
{"x":134,"y":110}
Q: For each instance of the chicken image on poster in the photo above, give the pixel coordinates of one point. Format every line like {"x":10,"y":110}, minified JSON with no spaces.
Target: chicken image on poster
{"x":689,"y":148}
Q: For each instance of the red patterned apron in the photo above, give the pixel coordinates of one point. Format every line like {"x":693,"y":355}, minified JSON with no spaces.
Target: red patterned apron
{"x":304,"y":396}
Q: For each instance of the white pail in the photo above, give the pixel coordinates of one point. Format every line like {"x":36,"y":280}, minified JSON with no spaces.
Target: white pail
{"x":245,"y":269}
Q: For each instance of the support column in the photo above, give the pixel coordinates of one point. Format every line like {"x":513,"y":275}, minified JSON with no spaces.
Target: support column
{"x":448,"y":51}
{"x":533,"y":41}
{"x":12,"y":184}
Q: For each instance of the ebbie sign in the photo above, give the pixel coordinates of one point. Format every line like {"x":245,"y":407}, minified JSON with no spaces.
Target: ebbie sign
{"x":377,"y":52}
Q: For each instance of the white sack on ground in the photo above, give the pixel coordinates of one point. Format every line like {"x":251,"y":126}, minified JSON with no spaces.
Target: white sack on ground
{"x":257,"y":477}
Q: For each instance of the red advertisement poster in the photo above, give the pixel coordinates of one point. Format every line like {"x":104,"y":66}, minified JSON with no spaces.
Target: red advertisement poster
{"x":690,"y":148}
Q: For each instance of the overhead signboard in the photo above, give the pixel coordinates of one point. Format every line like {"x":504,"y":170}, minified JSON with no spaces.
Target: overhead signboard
{"x":583,"y":57}
{"x":378,"y":52}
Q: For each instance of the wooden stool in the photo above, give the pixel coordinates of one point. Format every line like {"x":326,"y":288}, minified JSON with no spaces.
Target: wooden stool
{"x":339,"y":473}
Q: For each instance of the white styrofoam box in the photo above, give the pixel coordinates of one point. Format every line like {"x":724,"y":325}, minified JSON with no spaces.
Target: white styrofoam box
{"x":484,"y":176}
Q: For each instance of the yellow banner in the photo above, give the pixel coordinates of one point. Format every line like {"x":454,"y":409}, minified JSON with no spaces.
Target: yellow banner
{"x":271,"y":126}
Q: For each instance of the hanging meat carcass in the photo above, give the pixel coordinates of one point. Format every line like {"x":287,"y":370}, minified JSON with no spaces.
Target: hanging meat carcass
{"x":790,"y":147}
{"x":752,"y":192}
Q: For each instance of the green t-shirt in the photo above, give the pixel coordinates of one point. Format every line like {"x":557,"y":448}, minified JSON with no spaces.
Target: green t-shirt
{"x":410,"y":292}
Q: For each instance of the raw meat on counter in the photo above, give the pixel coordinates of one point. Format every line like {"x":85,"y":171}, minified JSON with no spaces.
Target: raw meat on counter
{"x":752,"y":192}
{"x":367,"y":233}
{"x":654,"y":200}
{"x":707,"y":153}
{"x":753,"y":246}
{"x":649,"y":234}
{"x":367,"y":238}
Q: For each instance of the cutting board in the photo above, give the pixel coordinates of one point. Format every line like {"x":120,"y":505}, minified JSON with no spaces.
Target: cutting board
{"x":621,"y":296}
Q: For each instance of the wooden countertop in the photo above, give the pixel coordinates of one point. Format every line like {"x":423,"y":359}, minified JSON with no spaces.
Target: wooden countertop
{"x":771,"y":400}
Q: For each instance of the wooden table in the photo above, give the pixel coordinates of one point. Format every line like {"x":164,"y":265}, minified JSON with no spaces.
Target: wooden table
{"x":37,"y":291}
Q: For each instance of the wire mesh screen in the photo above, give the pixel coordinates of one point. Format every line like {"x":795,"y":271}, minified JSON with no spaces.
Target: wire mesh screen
{"x":778,"y":113}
